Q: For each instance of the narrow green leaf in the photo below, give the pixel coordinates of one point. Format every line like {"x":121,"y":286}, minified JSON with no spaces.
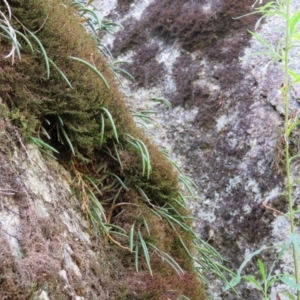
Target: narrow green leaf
{"x":93,"y":182}
{"x":290,"y":283}
{"x":296,"y":36}
{"x":119,"y":180}
{"x":146,"y":226}
{"x":122,"y":71}
{"x":156,"y":213}
{"x":185,"y":182}
{"x":67,"y":138}
{"x":92,"y":68}
{"x":233,"y":282}
{"x":61,"y":73}
{"x":137,"y":257}
{"x":140,"y":150}
{"x":113,"y":24}
{"x":24,"y":37}
{"x":161,"y":100}
{"x":118,"y":228}
{"x":291,"y":127}
{"x":118,"y":156}
{"x":104,"y":50}
{"x":102,"y":130}
{"x":181,"y":204}
{"x":118,"y":233}
{"x":289,"y":295}
{"x":294,"y":75}
{"x":48,"y":153}
{"x":294,"y":157}
{"x":45,"y":133}
{"x":185,"y":248}
{"x":143,"y":194}
{"x":236,"y":280}
{"x":248,"y":258}
{"x":146,"y":253}
{"x":41,"y":143}
{"x":143,"y":151}
{"x":169,"y":260}
{"x":271,"y":282}
{"x":8,"y":8}
{"x":147,"y":158}
{"x":111,"y":122}
{"x":266,"y":44}
{"x":97,"y":205}
{"x":11,"y":36}
{"x":294,"y":22}
{"x":262,"y":269}
{"x":46,"y":59}
{"x":60,"y":120}
{"x":87,"y":11}
{"x":254,"y":281}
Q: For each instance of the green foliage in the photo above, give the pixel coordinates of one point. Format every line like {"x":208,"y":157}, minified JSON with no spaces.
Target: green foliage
{"x":42,"y":145}
{"x":267,"y":278}
{"x":110,"y":118}
{"x":94,"y":69}
{"x":280,"y":52}
{"x":61,"y":130}
{"x":161,"y":100}
{"x":145,"y":116}
{"x":135,"y":202}
{"x":142,"y":150}
{"x":90,"y":17}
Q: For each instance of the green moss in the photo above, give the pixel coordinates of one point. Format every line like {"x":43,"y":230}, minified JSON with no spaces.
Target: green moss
{"x":37,"y":103}
{"x":4,"y":111}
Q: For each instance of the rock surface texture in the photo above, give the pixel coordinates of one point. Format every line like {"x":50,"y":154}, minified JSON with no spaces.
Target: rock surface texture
{"x":224,"y":129}
{"x":42,"y":236}
{"x":226,"y":122}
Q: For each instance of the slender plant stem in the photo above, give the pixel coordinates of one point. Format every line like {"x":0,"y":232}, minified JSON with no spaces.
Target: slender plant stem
{"x":286,"y":90}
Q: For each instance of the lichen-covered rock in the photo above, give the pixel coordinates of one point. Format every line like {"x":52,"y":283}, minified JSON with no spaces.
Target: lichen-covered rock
{"x":226,"y":124}
{"x":46,"y":248}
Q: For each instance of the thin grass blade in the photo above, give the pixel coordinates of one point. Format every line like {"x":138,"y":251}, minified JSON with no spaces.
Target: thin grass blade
{"x":92,"y":68}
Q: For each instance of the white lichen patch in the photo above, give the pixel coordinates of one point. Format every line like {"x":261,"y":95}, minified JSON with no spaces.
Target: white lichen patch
{"x":222,"y":122}
{"x":233,"y":183}
{"x":69,"y":264}
{"x":251,"y":185}
{"x":32,"y":176}
{"x":104,"y":7}
{"x":281,"y":229}
{"x":138,"y":8}
{"x":10,"y":226}
{"x":168,"y":55}
{"x":247,"y":209}
{"x":40,"y":209}
{"x":74,"y":224}
{"x":43,"y":295}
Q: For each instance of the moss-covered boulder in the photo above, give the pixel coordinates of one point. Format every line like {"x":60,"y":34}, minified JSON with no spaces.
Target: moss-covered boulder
{"x":61,"y":95}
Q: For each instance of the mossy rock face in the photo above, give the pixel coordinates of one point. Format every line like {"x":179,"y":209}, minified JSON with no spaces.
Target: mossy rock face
{"x":72,"y":119}
{"x":39,"y":97}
